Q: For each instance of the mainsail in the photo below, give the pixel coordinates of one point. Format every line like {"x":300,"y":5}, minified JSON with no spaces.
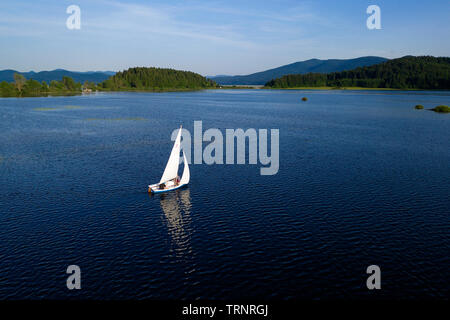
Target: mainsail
{"x":186,"y":175}
{"x":171,"y":170}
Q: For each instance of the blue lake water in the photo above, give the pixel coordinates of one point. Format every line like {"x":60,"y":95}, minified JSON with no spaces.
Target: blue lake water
{"x":364,"y":179}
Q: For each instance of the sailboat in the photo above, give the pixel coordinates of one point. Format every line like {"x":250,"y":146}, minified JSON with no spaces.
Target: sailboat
{"x":170,"y":179}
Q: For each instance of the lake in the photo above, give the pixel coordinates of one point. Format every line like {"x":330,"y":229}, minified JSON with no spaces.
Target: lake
{"x":364,"y":179}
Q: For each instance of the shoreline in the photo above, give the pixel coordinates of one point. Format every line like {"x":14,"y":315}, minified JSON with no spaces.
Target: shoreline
{"x":349,"y":88}
{"x":71,"y":93}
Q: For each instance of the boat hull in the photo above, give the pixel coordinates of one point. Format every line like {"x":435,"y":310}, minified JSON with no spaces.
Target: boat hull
{"x":154,"y":190}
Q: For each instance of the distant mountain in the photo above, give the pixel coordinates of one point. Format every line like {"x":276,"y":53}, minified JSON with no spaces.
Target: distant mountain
{"x":312,"y":65}
{"x":47,"y":76}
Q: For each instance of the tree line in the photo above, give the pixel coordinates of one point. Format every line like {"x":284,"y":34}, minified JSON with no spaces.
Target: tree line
{"x":22,"y":87}
{"x":157,"y":79}
{"x":409,"y":72}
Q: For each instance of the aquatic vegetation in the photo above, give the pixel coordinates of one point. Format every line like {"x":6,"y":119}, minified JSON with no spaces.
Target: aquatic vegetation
{"x":441,"y":109}
{"x":45,"y":109}
{"x":419,"y":107}
{"x":71,"y":107}
{"x":117,"y":119}
{"x":56,"y":108}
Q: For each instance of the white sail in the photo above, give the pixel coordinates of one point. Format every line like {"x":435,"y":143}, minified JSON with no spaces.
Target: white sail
{"x":171,"y":170}
{"x":186,"y":175}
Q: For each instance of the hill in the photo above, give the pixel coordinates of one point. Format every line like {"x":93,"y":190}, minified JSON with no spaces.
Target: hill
{"x":312,"y":65}
{"x":142,"y":78}
{"x":408,"y":72}
{"x":58,"y":74}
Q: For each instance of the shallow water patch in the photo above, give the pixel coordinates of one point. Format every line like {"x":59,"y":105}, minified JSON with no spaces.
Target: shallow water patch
{"x":56,"y":108}
{"x":117,"y":119}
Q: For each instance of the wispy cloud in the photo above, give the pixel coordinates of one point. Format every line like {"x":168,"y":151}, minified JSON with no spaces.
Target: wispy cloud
{"x":137,"y":19}
{"x":209,"y":37}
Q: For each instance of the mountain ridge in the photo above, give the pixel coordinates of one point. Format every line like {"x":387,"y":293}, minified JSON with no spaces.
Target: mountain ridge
{"x":299,"y":67}
{"x":57,"y":74}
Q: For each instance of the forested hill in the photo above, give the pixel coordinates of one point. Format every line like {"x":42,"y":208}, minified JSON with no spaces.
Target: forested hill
{"x":409,"y":72}
{"x":156,"y":79}
{"x":301,"y":67}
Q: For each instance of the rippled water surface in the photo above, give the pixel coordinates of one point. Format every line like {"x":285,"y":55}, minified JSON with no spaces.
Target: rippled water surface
{"x":364,"y":179}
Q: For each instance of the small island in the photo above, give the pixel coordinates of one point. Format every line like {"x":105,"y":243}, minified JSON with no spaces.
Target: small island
{"x":441,"y":109}
{"x":156,"y":79}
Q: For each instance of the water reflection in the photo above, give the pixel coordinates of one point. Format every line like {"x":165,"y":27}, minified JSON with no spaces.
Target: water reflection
{"x":177,"y":208}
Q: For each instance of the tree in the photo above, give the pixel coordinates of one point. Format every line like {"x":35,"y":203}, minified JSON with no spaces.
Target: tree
{"x":19,"y":81}
{"x":7,"y":89}
{"x":68,"y":83}
{"x":32,"y":88}
{"x":44,"y":86}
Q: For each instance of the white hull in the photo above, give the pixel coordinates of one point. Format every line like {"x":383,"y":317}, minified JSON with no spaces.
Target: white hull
{"x":154,"y":188}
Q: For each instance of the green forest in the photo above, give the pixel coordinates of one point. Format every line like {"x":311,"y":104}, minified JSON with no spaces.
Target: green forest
{"x":139,"y":79}
{"x":156,"y":79}
{"x":409,"y":72}
{"x":22,"y":87}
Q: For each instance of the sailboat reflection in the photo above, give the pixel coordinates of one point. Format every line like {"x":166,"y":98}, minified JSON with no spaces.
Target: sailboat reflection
{"x":177,"y":208}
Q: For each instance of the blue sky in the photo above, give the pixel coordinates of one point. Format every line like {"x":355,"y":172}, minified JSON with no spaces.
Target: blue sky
{"x":214,"y":37}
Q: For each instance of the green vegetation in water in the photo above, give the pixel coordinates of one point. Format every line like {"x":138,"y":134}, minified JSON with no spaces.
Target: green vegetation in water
{"x":304,"y":99}
{"x":45,"y":109}
{"x":441,"y":109}
{"x":117,"y":119}
{"x":405,"y":73}
{"x":56,"y":108}
{"x":72,"y":107}
{"x":419,"y":107}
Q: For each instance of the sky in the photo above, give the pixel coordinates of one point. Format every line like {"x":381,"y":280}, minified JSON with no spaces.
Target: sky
{"x":214,"y":37}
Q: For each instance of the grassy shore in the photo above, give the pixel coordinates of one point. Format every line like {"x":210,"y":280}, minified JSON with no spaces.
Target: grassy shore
{"x":154,"y":90}
{"x":73,"y":93}
{"x":339,"y":88}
